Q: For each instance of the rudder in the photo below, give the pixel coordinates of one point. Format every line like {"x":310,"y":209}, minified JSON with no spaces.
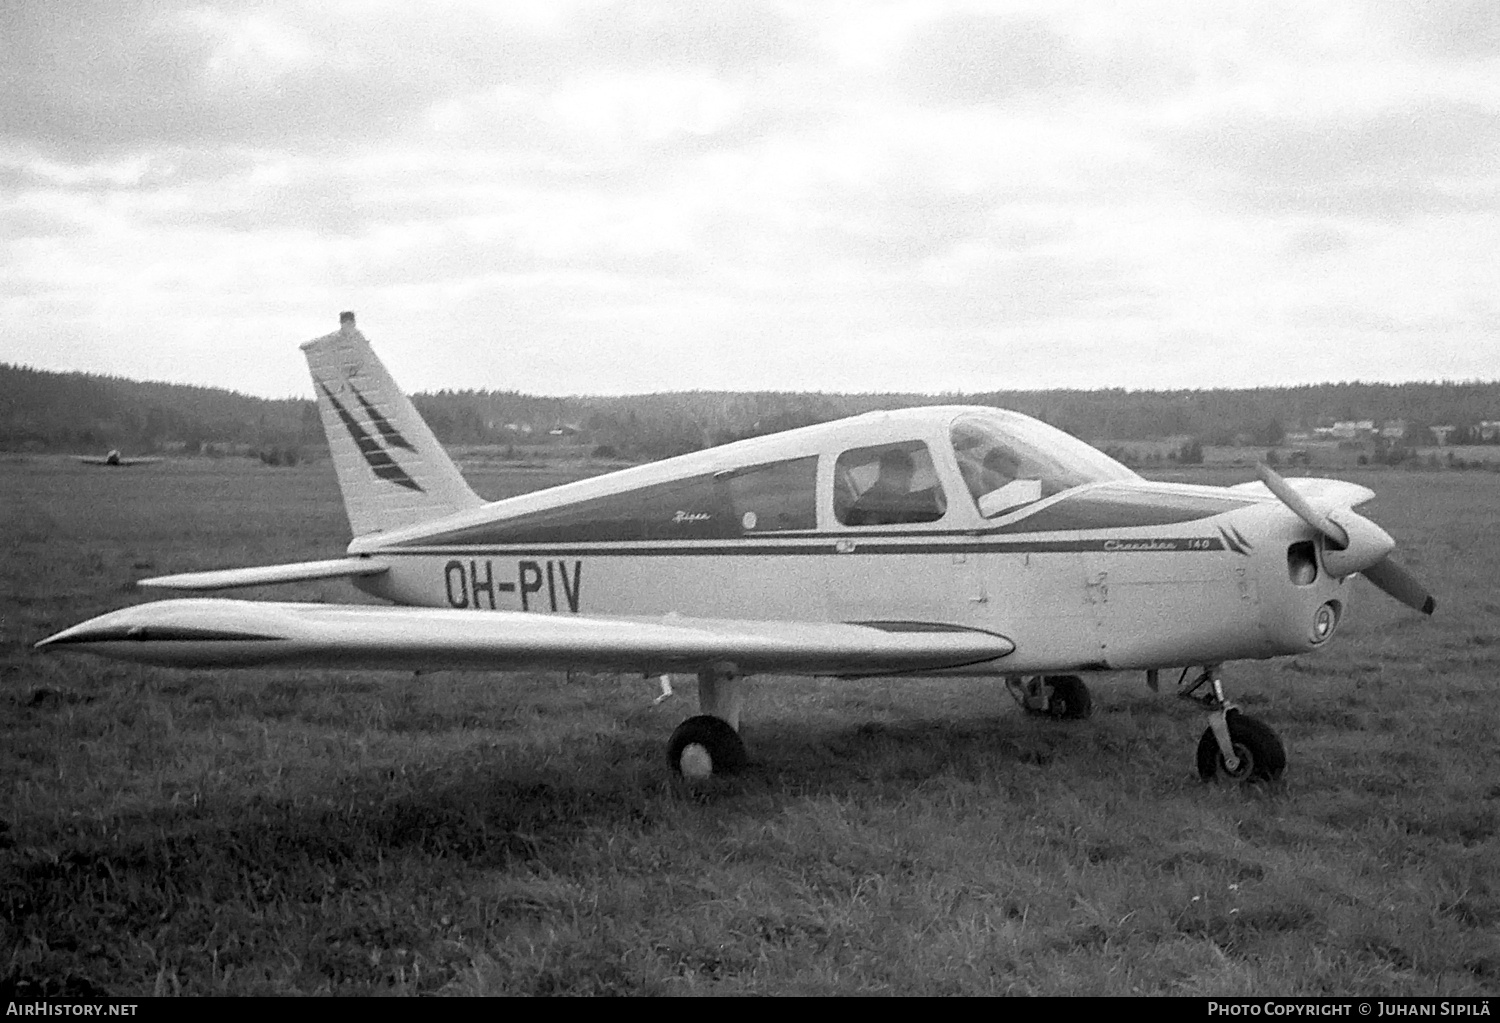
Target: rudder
{"x":391,"y":469}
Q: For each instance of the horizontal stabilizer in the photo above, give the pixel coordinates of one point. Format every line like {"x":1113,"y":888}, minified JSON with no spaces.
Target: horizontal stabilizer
{"x":267,"y":575}
{"x":216,"y":633}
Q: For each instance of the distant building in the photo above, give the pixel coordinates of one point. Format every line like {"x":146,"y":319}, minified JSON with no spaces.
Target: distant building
{"x":1393,"y":429}
{"x":1353,"y":429}
{"x":1442,"y":433}
{"x":1488,"y":430}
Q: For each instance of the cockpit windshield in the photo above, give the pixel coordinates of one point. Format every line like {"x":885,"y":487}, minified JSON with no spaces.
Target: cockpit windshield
{"x":1009,"y":460}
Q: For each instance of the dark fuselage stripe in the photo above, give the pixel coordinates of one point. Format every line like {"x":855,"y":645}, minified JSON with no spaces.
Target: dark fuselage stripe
{"x":1111,"y":545}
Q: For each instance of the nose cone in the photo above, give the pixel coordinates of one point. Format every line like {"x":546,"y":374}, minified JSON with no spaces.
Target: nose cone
{"x":1368,"y":545}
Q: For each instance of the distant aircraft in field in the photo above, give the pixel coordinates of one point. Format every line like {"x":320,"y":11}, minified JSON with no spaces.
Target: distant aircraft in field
{"x":113,"y":458}
{"x":952,"y":540}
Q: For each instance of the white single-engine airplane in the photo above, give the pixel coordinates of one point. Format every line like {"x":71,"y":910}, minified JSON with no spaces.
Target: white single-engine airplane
{"x":114,"y":458}
{"x":949,"y":540}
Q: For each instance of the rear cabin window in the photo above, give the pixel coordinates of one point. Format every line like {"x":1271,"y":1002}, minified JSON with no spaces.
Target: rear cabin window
{"x":760,"y":499}
{"x":887,"y":484}
{"x":776,"y":496}
{"x":690,"y":509}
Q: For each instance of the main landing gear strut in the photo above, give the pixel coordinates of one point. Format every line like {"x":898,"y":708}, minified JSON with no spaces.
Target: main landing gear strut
{"x":709,"y":743}
{"x":1057,"y":696}
{"x":1235,"y":747}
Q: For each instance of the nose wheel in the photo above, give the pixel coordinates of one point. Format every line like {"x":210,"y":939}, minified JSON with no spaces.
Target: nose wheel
{"x":1259,"y":756}
{"x":1235,"y":747}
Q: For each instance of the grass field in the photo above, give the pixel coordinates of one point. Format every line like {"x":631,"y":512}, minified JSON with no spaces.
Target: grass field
{"x":296,"y":832}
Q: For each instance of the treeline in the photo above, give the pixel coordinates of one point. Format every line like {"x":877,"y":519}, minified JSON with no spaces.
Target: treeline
{"x":47,"y":411}
{"x":83,"y":412}
{"x":656,"y":425}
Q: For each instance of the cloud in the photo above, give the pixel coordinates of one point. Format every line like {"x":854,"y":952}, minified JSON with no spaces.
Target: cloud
{"x":997,"y":58}
{"x":976,"y":59}
{"x":645,"y":194}
{"x":1454,"y":30}
{"x":1422,"y":156}
{"x":271,"y":77}
{"x":1316,"y":241}
{"x":86,"y":80}
{"x":1419,"y":137}
{"x":727,"y":39}
{"x":21,"y":221}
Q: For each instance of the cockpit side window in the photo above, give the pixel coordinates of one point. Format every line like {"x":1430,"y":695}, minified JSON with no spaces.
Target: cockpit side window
{"x":887,"y":484}
{"x":1008,"y":461}
{"x":993,"y":471}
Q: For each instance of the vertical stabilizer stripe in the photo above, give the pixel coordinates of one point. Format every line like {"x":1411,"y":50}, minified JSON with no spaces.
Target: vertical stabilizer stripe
{"x":390,"y":433}
{"x":379,"y":460}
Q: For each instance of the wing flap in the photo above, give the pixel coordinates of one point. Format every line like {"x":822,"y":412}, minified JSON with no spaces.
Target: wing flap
{"x":234,"y":633}
{"x":267,"y":575}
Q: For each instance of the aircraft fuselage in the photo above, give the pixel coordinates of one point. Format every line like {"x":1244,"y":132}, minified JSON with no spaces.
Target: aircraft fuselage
{"x":1191,"y":574}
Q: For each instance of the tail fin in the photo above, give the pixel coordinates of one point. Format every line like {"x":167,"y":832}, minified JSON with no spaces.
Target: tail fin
{"x":391,"y":468}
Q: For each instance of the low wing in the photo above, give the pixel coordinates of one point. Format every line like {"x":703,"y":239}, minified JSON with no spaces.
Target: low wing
{"x":235,"y":633}
{"x":267,"y":575}
{"x":91,"y":460}
{"x":1337,"y":493}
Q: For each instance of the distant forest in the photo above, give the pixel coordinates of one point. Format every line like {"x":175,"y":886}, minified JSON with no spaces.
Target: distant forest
{"x":77,"y":412}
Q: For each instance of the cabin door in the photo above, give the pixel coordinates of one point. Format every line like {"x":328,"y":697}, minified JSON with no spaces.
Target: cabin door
{"x":876,"y":580}
{"x":1044,"y":601}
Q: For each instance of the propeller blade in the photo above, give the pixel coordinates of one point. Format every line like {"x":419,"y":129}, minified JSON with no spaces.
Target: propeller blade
{"x":1401,"y":584}
{"x":1301,"y":506}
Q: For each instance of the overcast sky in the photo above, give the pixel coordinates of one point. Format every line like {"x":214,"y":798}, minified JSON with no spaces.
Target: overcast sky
{"x":619,"y":197}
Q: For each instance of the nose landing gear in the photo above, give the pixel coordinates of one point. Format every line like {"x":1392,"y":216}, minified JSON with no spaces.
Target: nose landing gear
{"x":1235,"y":747}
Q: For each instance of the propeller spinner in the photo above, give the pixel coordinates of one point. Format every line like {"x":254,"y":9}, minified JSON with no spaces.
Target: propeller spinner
{"x":1354,"y":544}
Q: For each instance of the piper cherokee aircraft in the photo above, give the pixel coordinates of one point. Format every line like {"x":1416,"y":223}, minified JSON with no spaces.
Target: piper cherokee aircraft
{"x":113,"y":458}
{"x":950,"y":540}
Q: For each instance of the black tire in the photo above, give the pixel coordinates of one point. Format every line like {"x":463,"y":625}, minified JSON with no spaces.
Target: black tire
{"x":1070,"y":700}
{"x":725,"y":748}
{"x":1262,"y":757}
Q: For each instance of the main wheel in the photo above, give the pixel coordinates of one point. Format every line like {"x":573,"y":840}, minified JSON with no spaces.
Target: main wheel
{"x":705,"y":745}
{"x":1070,"y":698}
{"x":1262,"y":757}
